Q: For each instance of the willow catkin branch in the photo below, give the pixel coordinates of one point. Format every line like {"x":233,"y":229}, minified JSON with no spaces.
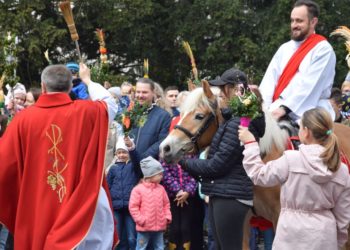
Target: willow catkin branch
{"x":2,"y":80}
{"x":189,"y":52}
{"x":145,"y":68}
{"x":342,"y":31}
{"x":101,"y":37}
{"x":68,"y":17}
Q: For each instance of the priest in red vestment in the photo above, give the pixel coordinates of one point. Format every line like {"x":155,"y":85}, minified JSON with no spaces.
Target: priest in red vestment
{"x":52,"y":194}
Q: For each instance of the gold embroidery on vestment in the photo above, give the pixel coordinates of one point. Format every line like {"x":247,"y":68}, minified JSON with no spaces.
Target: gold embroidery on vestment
{"x":55,"y":178}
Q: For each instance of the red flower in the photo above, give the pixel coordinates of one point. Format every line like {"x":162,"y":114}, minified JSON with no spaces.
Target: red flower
{"x":127,"y":122}
{"x":103,"y":50}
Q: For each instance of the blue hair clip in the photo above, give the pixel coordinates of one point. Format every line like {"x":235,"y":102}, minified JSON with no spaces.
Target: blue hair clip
{"x":329,"y":132}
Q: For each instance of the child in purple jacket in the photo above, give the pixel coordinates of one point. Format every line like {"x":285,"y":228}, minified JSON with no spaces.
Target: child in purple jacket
{"x":181,"y":188}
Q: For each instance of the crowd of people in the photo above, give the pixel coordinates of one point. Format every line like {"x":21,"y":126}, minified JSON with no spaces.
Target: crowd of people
{"x":71,"y":178}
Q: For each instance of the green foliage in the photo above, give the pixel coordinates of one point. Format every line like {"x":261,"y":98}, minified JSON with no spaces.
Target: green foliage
{"x":134,"y":116}
{"x":8,"y":55}
{"x":247,"y":105}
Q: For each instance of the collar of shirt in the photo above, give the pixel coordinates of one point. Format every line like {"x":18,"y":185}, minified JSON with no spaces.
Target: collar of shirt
{"x":53,"y":99}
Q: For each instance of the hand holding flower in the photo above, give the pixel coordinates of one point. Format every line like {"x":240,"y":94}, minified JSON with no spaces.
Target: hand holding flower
{"x":245,"y":135}
{"x":129,"y":143}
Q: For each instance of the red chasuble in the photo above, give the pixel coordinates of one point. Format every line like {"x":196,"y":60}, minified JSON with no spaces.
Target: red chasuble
{"x":294,"y":62}
{"x":51,"y":171}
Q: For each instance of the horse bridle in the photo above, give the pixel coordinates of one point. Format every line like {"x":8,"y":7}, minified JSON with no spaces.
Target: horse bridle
{"x":194,"y":137}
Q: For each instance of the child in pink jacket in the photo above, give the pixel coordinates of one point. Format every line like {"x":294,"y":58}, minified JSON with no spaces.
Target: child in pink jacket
{"x":315,"y":186}
{"x":150,"y":207}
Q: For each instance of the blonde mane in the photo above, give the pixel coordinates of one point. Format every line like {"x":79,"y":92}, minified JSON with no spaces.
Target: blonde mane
{"x":197,"y":98}
{"x":274,"y":135}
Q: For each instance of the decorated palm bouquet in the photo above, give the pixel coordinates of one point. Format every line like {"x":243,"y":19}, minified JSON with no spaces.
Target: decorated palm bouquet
{"x":134,"y":116}
{"x":246,"y":106}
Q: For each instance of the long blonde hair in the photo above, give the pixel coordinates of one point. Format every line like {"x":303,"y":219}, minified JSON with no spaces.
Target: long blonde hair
{"x":320,"y":123}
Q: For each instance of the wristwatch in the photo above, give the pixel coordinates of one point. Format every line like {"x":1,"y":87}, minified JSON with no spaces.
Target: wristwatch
{"x":286,"y":109}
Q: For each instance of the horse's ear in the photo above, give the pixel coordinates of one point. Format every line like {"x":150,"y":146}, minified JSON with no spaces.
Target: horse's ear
{"x":190,"y":85}
{"x":207,"y":90}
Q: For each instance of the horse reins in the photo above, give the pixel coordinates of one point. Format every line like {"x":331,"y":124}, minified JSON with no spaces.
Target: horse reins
{"x":194,"y":137}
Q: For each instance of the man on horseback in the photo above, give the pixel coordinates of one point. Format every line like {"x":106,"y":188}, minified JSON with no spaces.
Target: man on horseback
{"x":300,"y":74}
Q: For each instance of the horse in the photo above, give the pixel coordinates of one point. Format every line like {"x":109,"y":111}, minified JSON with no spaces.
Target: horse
{"x":200,"y":119}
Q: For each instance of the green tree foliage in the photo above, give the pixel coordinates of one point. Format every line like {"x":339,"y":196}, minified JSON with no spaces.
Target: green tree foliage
{"x":222,"y":34}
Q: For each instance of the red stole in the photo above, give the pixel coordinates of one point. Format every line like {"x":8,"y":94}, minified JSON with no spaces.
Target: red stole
{"x":294,"y":62}
{"x":52,"y":158}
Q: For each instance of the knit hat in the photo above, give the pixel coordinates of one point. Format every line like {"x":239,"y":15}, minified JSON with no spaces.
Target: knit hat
{"x":19,"y":88}
{"x":150,"y":167}
{"x":120,"y":144}
{"x":73,"y":67}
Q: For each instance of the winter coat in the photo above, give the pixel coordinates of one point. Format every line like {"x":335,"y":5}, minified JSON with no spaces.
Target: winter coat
{"x":222,"y":173}
{"x":80,"y":90}
{"x":154,"y":131}
{"x":149,"y":206}
{"x":176,"y":179}
{"x":122,"y":178}
{"x":315,"y":202}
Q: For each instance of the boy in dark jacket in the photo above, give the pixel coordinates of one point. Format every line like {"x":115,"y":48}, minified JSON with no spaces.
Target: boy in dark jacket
{"x":121,"y":178}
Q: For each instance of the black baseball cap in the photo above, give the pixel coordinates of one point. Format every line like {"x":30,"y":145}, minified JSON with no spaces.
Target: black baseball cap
{"x":230,"y":76}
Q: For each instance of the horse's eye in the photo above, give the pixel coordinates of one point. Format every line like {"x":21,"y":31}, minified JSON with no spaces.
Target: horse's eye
{"x":199,"y":117}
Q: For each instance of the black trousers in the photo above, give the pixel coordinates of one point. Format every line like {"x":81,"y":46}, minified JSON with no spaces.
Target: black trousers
{"x":180,"y":227}
{"x":226,"y":217}
{"x":197,"y":240}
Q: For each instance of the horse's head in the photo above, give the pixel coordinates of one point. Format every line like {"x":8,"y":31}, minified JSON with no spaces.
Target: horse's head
{"x":200,"y":118}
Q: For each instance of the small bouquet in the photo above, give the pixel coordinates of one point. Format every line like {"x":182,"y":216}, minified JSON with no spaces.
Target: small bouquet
{"x":246,"y":106}
{"x":134,"y":116}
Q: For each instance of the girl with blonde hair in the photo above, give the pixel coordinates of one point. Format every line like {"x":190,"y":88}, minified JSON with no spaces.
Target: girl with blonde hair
{"x":315,"y":185}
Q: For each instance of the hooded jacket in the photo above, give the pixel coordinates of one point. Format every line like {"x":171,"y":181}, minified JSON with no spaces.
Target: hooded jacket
{"x":315,"y":202}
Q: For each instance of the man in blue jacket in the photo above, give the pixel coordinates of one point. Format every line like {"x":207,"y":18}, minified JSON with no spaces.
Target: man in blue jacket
{"x":156,"y":128}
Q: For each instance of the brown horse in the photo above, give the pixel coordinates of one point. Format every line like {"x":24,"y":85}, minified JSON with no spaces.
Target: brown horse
{"x":200,"y":118}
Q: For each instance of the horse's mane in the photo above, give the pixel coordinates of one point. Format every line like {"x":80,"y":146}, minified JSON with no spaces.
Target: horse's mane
{"x":274,"y":135}
{"x":197,"y":98}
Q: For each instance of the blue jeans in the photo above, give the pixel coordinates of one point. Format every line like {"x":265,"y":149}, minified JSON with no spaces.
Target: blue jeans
{"x":253,"y":239}
{"x":126,"y":229}
{"x":268,"y":236}
{"x":3,"y":237}
{"x":154,"y":238}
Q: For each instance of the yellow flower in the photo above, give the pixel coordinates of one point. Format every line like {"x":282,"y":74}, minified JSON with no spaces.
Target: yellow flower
{"x":247,"y":102}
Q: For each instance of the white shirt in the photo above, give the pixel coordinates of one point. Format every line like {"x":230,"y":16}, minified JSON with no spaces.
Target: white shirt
{"x":98,"y":92}
{"x":311,"y":85}
{"x":100,"y":234}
